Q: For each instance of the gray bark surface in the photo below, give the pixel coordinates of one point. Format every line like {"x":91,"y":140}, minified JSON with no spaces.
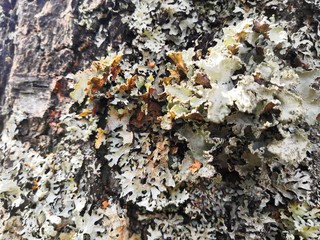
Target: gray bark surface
{"x":41,"y":42}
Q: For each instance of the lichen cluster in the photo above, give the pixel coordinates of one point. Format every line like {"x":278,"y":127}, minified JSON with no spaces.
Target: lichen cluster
{"x":198,"y":142}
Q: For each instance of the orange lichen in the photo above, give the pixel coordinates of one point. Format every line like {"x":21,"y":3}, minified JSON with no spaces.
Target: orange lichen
{"x":105,"y":204}
{"x":130,"y":84}
{"x":35,"y":185}
{"x":96,"y":84}
{"x":100,"y":137}
{"x":176,"y":57}
{"x":85,"y":113}
{"x":195,"y":166}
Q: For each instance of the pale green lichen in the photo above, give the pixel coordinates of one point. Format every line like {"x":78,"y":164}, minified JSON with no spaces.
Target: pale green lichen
{"x":214,"y":93}
{"x":204,"y":146}
{"x":301,"y":220}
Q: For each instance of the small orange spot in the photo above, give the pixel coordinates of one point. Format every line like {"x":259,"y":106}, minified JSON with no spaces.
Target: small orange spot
{"x":173,"y":150}
{"x":108,"y":94}
{"x":84,"y":45}
{"x":195,"y":166}
{"x":96,"y":84}
{"x":177,"y":58}
{"x":100,"y":137}
{"x":151,"y":64}
{"x":85,"y":113}
{"x":131,"y":83}
{"x":105,"y":204}
{"x":35,"y":185}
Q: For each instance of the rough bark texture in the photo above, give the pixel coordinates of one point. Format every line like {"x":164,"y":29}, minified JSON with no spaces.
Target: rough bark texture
{"x":41,"y":42}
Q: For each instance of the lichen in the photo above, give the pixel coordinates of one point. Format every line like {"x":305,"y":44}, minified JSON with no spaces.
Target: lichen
{"x":199,"y":140}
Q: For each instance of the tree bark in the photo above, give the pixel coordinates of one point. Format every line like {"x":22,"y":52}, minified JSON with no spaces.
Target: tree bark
{"x":41,"y":42}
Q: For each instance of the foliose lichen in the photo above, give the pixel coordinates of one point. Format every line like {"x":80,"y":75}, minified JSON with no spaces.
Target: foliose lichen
{"x":204,"y":140}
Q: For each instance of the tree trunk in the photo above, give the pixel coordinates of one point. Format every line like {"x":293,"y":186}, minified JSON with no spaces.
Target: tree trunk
{"x":128,"y":166}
